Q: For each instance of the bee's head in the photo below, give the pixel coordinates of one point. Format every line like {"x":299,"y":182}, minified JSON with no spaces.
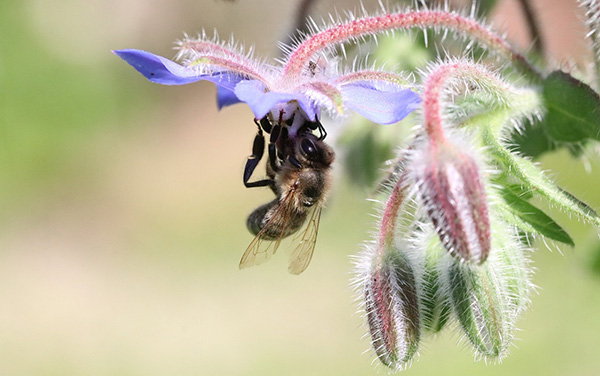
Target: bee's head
{"x":310,"y":150}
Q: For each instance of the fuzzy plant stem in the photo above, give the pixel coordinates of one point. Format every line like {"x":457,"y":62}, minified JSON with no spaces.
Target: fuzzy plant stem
{"x":361,"y":27}
{"x":438,"y":80}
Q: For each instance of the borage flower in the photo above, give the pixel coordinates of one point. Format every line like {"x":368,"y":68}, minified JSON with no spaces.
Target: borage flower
{"x":381,"y":97}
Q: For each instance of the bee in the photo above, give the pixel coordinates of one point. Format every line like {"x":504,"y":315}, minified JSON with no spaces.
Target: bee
{"x":299,"y":174}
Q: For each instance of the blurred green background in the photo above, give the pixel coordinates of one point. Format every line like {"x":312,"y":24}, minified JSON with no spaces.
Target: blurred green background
{"x":123,"y":214}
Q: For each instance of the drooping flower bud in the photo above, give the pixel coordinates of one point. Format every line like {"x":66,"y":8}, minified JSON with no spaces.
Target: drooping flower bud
{"x":387,"y":282}
{"x":392,"y":307}
{"x":488,"y":298}
{"x":452,"y":191}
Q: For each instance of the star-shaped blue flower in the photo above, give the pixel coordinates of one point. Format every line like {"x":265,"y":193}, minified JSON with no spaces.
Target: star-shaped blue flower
{"x":378,"y":96}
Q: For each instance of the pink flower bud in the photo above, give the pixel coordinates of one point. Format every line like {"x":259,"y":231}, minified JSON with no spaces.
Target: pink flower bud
{"x":451,"y":189}
{"x":391,"y":302}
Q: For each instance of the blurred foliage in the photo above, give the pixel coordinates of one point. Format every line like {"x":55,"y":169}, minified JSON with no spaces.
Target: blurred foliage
{"x":595,"y":259}
{"x":483,"y":7}
{"x":572,"y":107}
{"x":50,"y":109}
{"x":366,"y":149}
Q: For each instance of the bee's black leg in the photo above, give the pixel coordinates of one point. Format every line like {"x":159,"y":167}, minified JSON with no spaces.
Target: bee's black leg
{"x":322,"y":131}
{"x":273,"y":160}
{"x":295,"y":162}
{"x":275,"y":132}
{"x":275,"y":150}
{"x":260,"y":183}
{"x":316,"y":126}
{"x":264,"y":123}
{"x":258,"y":149}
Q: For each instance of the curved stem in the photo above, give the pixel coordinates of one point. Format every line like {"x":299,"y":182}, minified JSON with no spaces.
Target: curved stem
{"x":437,"y":81}
{"x":373,"y":75}
{"x":360,"y":27}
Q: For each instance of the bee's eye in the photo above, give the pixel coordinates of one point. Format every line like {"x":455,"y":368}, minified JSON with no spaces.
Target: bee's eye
{"x":308,"y":148}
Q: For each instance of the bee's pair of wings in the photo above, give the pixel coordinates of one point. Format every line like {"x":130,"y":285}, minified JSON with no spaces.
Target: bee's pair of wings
{"x":260,"y":250}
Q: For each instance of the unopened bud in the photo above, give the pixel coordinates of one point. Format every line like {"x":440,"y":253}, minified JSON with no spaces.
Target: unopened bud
{"x":392,"y":307}
{"x":452,"y":191}
{"x":480,"y":307}
{"x":488,"y":298}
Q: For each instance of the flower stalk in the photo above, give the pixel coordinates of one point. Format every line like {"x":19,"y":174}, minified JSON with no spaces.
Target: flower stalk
{"x":435,"y":19}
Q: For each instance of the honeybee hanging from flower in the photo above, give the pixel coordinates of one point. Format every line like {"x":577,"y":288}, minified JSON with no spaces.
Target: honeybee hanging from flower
{"x":287,"y":101}
{"x":298,"y":172}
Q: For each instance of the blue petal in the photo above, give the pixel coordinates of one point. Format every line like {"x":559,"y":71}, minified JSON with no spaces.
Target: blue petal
{"x":306,"y":105}
{"x":261,"y":101}
{"x":159,"y":69}
{"x":231,"y":87}
{"x":164,"y":71}
{"x":226,"y":97}
{"x":380,"y":106}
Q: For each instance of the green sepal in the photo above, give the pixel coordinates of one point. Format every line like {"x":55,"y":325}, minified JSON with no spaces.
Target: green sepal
{"x":516,"y":272}
{"x":480,"y":307}
{"x":405,"y":288}
{"x":530,"y":218}
{"x":487,"y":299}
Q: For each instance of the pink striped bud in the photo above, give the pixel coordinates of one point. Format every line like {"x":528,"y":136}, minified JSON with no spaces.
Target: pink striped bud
{"x":452,"y":191}
{"x":391,"y":302}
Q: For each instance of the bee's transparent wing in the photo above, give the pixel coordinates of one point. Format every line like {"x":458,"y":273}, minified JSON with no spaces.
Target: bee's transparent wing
{"x":302,"y":254}
{"x":260,"y":250}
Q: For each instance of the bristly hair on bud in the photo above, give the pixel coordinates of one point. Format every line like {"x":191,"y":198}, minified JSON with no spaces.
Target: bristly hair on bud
{"x":450,"y":187}
{"x":411,"y":286}
{"x":436,"y":308}
{"x":487,"y":299}
{"x":392,"y":308}
{"x":446,"y":171}
{"x":388,"y":285}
